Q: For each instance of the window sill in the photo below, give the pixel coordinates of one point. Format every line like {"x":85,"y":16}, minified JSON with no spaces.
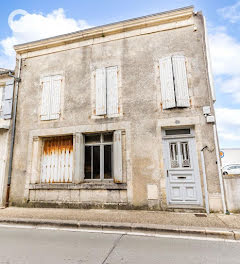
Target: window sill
{"x":4,"y":124}
{"x":81,"y":186}
{"x":105,"y":116}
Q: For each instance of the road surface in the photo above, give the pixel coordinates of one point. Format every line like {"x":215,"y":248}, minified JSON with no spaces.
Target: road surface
{"x":33,"y":246}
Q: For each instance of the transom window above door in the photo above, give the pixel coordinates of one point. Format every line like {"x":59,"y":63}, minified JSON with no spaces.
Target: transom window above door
{"x":99,"y":156}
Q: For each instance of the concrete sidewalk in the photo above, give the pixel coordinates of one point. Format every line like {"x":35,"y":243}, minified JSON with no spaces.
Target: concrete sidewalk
{"x":213,"y":225}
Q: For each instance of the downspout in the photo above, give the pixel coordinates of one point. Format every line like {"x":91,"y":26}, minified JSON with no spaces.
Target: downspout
{"x":205,"y":181}
{"x":219,"y":169}
{"x":17,"y":80}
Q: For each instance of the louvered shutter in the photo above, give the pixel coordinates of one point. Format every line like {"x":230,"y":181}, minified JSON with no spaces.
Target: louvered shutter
{"x":101,"y":90}
{"x":117,"y":156}
{"x":79,"y":158}
{"x":1,"y":100}
{"x":180,"y":81}
{"x":112,"y":90}
{"x":8,"y":99}
{"x":166,"y":81}
{"x":46,"y":94}
{"x":55,"y":99}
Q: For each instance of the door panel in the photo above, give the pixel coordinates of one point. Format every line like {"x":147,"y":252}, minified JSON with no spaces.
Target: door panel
{"x":183,"y":182}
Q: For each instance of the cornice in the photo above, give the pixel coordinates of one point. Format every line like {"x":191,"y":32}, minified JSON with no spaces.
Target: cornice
{"x":106,"y":30}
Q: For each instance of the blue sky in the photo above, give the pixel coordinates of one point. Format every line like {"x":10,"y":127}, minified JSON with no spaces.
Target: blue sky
{"x":47,"y":18}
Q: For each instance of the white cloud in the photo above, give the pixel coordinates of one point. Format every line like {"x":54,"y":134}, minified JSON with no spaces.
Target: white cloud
{"x":226,"y":62}
{"x":228,"y":125}
{"x":30,"y":27}
{"x":232,"y":13}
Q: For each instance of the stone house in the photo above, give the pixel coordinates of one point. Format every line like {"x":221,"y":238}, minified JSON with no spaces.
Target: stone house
{"x":6,"y":101}
{"x":113,"y":117}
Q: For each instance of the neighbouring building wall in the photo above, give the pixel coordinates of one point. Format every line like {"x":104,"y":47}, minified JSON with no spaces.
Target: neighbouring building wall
{"x":6,"y":100}
{"x":231,"y":156}
{"x":137,"y":127}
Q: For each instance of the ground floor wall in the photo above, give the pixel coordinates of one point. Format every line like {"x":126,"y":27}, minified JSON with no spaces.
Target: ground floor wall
{"x":144,"y":176}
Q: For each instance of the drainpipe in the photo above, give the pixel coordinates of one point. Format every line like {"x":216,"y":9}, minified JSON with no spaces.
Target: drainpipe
{"x":17,"y":80}
{"x":205,"y":181}
{"x":219,"y":169}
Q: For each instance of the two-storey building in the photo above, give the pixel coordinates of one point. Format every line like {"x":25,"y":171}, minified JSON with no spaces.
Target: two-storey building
{"x":112,"y":117}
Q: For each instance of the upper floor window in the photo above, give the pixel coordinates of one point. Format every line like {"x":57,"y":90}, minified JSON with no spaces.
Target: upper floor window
{"x":51,"y":97}
{"x":107,"y":91}
{"x":174,"y":84}
{"x":6,"y":99}
{"x":1,"y":101}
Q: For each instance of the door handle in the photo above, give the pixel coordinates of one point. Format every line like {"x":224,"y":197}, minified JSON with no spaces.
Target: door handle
{"x":167,"y":173}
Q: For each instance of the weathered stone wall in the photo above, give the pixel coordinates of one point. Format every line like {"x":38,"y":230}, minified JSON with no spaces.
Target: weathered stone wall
{"x":141,"y":116}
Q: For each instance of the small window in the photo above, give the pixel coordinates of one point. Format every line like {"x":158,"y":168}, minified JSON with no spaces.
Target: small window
{"x":172,"y":132}
{"x":98,"y":156}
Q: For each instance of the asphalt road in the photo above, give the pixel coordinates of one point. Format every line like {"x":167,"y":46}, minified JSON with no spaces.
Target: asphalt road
{"x":18,"y":246}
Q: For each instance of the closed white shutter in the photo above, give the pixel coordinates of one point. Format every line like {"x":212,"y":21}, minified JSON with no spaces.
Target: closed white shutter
{"x":112,"y":90}
{"x":101,"y":90}
{"x":55,"y":99}
{"x":117,"y":156}
{"x":180,"y":81}
{"x":8,"y":99}
{"x":46,"y":95}
{"x":1,"y":100}
{"x":167,"y":85}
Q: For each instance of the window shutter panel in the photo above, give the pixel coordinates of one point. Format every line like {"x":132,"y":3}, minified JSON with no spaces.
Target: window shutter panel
{"x":8,"y":99}
{"x":167,"y":85}
{"x":101,"y":90}
{"x":79,"y":158}
{"x":117,"y":156}
{"x":180,"y":81}
{"x":112,"y":90}
{"x":1,"y":100}
{"x":55,"y":99}
{"x":45,"y":107}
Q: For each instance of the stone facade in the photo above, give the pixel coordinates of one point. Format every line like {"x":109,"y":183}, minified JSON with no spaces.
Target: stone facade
{"x":135,"y":47}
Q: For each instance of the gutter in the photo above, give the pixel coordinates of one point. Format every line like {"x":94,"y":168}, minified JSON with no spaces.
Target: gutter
{"x":17,"y":80}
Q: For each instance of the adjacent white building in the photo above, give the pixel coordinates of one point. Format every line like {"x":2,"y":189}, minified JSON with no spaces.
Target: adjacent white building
{"x":230,"y":156}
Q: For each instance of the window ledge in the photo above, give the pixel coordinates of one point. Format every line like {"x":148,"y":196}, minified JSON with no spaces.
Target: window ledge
{"x":106,"y":116}
{"x":81,"y":186}
{"x":4,"y":124}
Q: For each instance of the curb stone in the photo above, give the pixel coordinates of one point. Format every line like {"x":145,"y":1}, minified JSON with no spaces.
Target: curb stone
{"x":129,"y":227}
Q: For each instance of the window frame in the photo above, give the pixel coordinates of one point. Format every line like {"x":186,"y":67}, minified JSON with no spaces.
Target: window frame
{"x":101,"y":144}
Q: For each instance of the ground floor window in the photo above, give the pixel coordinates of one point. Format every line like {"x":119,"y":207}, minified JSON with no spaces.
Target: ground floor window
{"x":57,"y":160}
{"x":98,"y":156}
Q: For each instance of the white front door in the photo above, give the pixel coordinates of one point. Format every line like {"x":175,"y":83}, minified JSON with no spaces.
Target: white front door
{"x":182,"y":172}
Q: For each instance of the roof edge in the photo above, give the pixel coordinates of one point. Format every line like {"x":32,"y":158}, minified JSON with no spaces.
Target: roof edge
{"x":108,"y":29}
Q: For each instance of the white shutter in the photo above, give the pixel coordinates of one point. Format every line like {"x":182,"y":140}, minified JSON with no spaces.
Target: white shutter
{"x":167,"y":85}
{"x":46,"y":90}
{"x":55,"y":100}
{"x":1,"y":100}
{"x":79,"y":158}
{"x":117,"y":156}
{"x":101,"y":92}
{"x":8,"y":99}
{"x":112,"y":90}
{"x":180,"y":81}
